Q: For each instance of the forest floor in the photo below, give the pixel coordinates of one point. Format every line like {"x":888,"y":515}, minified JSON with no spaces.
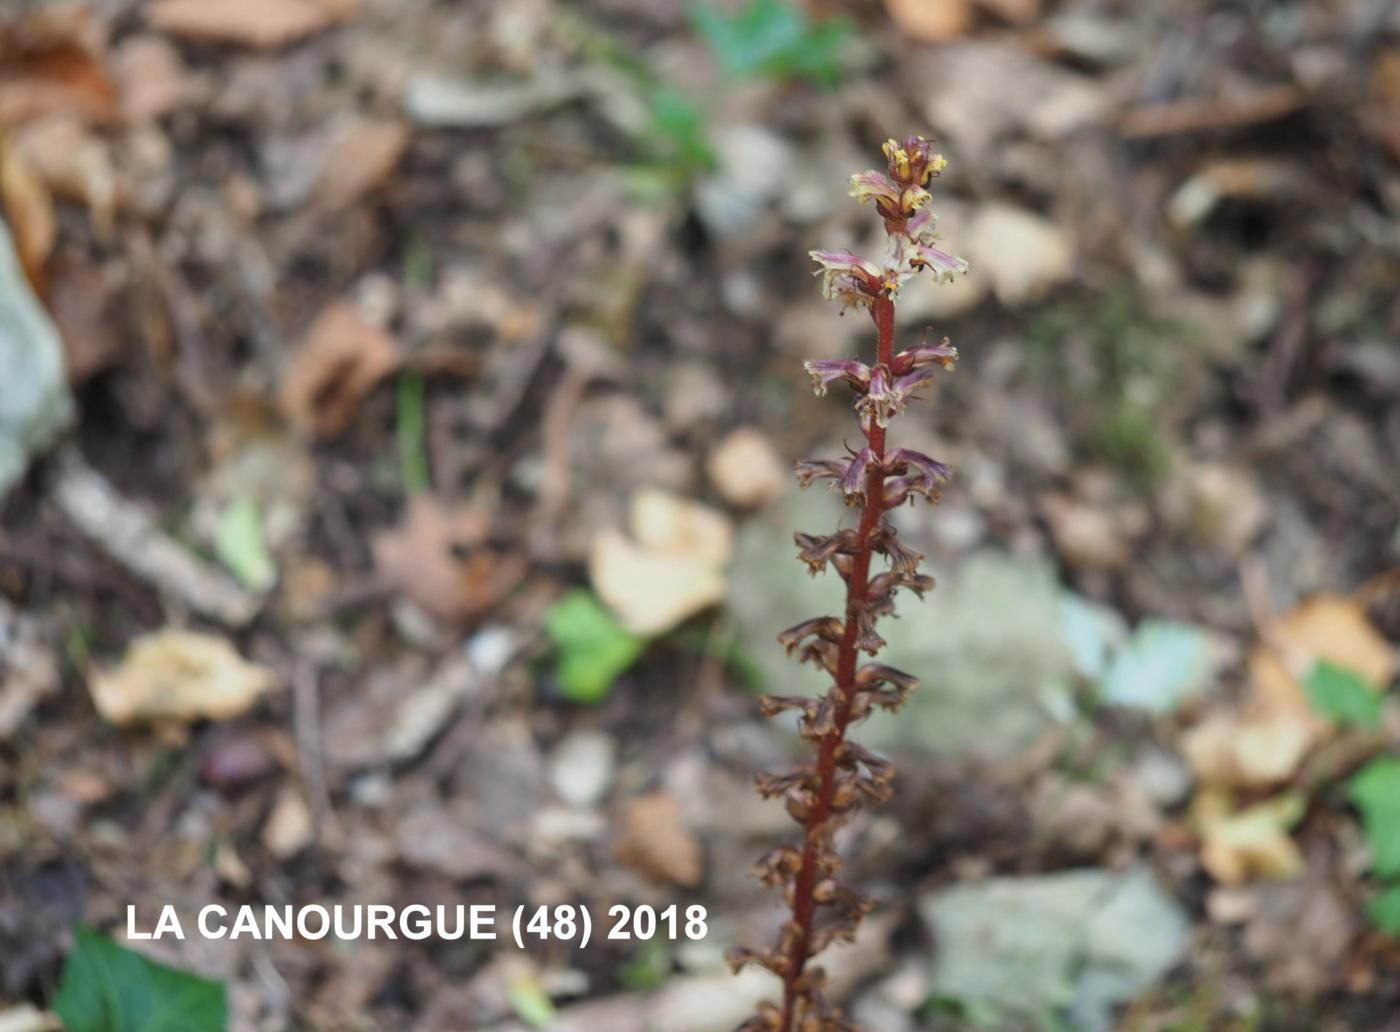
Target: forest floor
{"x":413,"y":522}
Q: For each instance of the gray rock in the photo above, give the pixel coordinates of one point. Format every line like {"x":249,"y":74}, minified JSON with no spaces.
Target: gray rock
{"x":34,"y":400}
{"x":582,"y":767}
{"x":1075,"y":944}
{"x":985,"y":643}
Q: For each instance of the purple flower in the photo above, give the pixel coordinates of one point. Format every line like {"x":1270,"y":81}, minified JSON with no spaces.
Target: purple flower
{"x":853,"y":482}
{"x":894,"y":201}
{"x":825,"y":373}
{"x":816,"y":469}
{"x":925,"y":475}
{"x":942,"y":353}
{"x":848,"y":278}
{"x":888,"y":395}
{"x":877,"y":187}
{"x":912,"y":161}
{"x":924,"y":256}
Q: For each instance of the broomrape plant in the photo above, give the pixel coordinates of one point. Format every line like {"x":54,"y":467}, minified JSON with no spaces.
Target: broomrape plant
{"x":822,"y":794}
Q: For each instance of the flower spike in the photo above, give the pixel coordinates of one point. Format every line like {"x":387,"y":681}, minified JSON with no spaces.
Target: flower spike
{"x":822,"y":794}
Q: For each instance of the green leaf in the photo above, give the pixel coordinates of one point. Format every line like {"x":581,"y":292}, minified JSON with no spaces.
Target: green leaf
{"x":774,"y":37}
{"x":1376,"y":792}
{"x":239,"y":544}
{"x":648,"y":968}
{"x":677,"y":129}
{"x":1343,"y":695}
{"x":593,"y":648}
{"x":109,"y":988}
{"x":1162,"y":663}
{"x":530,"y":1002}
{"x":1384,"y":908}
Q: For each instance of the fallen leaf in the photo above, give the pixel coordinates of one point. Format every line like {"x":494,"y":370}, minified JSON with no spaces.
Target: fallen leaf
{"x":289,"y":828}
{"x":1227,"y":508}
{"x":81,"y":301}
{"x":1228,"y":749}
{"x":440,"y":558}
{"x":1086,"y":536}
{"x":931,"y":21}
{"x":1326,"y":628}
{"x":670,"y":569}
{"x":1239,"y":844}
{"x":152,"y":80}
{"x":359,"y":160}
{"x":654,"y":840}
{"x":1023,"y":254}
{"x":52,"y":62}
{"x":450,"y":847}
{"x":28,"y":208}
{"x":75,"y":165}
{"x":262,"y":24}
{"x":181,"y":675}
{"x":340,"y":360}
{"x":746,"y":470}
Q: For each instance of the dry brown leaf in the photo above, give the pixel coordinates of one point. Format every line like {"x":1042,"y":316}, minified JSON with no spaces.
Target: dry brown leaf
{"x":152,"y":79}
{"x":670,"y":569}
{"x":75,"y":165}
{"x":28,"y":208}
{"x":263,"y":24}
{"x":654,"y":840}
{"x":359,"y":160}
{"x":1323,"y":628}
{"x":931,"y":21}
{"x":746,"y":470}
{"x":52,"y":62}
{"x":178,"y":675}
{"x":1086,"y":536}
{"x":289,"y":828}
{"x":1253,"y":751}
{"x":340,"y":360}
{"x":439,"y":557}
{"x":1253,"y":842}
{"x":80,"y":301}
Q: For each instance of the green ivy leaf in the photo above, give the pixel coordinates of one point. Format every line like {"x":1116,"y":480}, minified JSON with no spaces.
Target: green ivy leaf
{"x":109,"y":988}
{"x":593,"y":648}
{"x":1343,"y":695}
{"x":1376,"y":792}
{"x":1384,"y":908}
{"x":774,"y":37}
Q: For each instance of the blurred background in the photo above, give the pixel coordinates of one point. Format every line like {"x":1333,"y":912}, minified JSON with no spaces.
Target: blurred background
{"x":397,"y":406}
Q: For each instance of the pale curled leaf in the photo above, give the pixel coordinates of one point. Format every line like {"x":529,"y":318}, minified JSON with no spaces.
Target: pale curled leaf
{"x":178,"y":675}
{"x":670,"y":569}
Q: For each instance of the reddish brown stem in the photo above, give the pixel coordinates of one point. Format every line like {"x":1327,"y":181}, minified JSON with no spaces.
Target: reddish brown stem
{"x":803,"y":906}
